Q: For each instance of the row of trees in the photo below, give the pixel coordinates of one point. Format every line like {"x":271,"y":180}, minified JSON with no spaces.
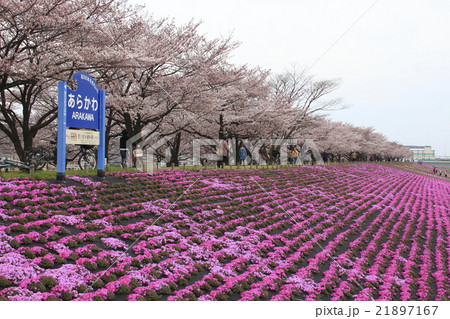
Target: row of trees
{"x":159,"y":76}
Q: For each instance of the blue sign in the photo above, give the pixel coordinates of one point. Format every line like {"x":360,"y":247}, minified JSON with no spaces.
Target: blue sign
{"x":83,"y":108}
{"x":83,"y":104}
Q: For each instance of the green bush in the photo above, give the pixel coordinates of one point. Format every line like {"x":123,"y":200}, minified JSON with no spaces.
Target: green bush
{"x":36,"y":287}
{"x":81,"y":289}
{"x":134,"y":283}
{"x":222,"y":297}
{"x":165,"y":291}
{"x":97,"y":284}
{"x":66,"y":296}
{"x":29,"y":254}
{"x":4,"y":282}
{"x":109,"y":278}
{"x":45,"y":263}
{"x":14,"y":244}
{"x":26,"y":241}
{"x":151,"y":296}
{"x":102,"y":263}
{"x":48,"y":282}
{"x":73,"y":257}
{"x":123,"y":289}
{"x":90,"y":265}
{"x":135,"y":263}
{"x":60,"y":261}
{"x":19,"y":229}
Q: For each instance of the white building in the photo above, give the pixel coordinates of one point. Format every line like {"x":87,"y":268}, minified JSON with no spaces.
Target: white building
{"x":422,"y":153}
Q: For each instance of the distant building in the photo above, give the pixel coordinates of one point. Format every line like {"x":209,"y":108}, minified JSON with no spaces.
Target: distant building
{"x":422,"y":153}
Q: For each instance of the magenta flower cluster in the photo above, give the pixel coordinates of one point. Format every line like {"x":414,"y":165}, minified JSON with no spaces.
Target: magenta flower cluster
{"x":352,"y":232}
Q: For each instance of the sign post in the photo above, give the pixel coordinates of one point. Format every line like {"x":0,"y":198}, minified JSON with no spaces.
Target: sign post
{"x":83,"y":108}
{"x":101,"y":147}
{"x":62,"y":122}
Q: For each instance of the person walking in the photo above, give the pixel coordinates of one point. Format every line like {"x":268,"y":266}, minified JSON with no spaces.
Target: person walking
{"x":138,"y":154}
{"x":325,"y":157}
{"x":242,"y":155}
{"x":307,"y":157}
{"x":294,"y":155}
{"x":276,"y":156}
{"x":123,"y":148}
{"x":263,"y":155}
{"x":223,"y":152}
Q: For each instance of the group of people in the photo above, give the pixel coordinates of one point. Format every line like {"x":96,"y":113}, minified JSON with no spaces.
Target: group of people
{"x":223,"y":150}
{"x":138,"y":153}
{"x":269,"y":156}
{"x":440,"y":172}
{"x":307,"y":157}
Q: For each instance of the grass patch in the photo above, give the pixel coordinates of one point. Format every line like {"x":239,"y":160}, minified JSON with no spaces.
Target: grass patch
{"x":39,"y":175}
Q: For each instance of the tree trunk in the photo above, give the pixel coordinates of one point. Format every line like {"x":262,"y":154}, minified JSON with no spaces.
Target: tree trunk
{"x":236,"y":150}
{"x":221,"y":127}
{"x":108,"y":129}
{"x":175,"y":150}
{"x":18,"y":147}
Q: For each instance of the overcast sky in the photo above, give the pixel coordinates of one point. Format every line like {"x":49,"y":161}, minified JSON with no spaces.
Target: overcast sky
{"x":393,"y":57}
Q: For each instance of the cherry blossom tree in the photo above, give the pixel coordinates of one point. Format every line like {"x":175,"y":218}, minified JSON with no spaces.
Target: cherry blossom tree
{"x":42,"y":42}
{"x":236,"y":103}
{"x":166,"y":74}
{"x":305,"y":95}
{"x":340,"y":140}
